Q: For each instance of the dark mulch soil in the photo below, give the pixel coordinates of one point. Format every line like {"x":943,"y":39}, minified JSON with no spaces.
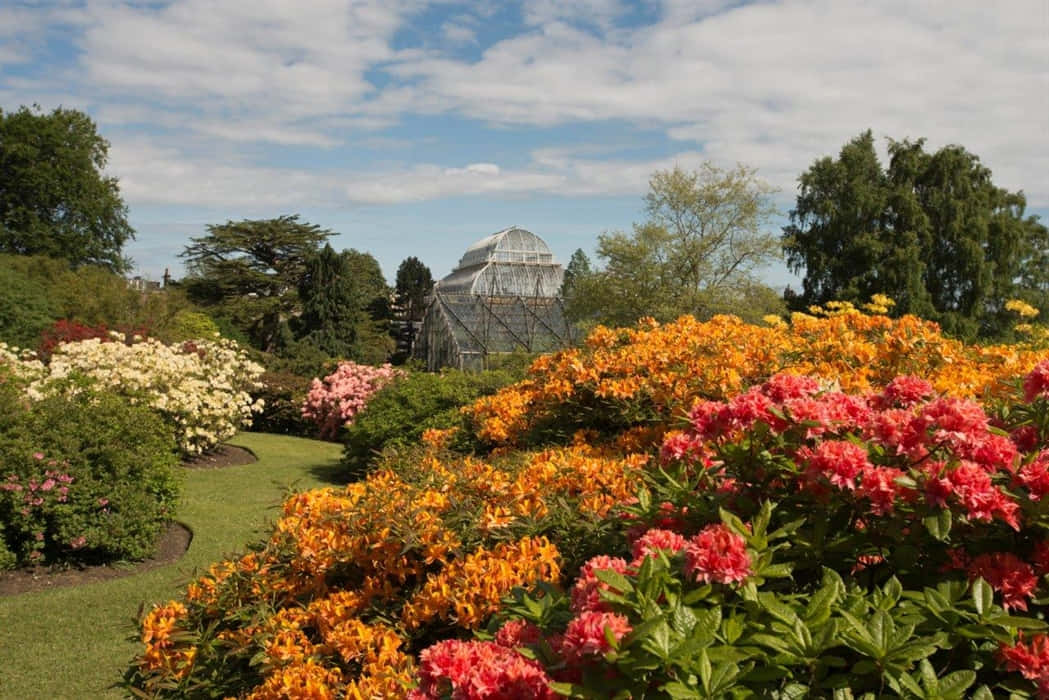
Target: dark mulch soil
{"x":172,"y":544}
{"x":222,"y":456}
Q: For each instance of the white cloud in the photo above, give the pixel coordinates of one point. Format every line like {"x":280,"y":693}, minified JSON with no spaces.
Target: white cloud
{"x":427,"y":182}
{"x":779,"y":84}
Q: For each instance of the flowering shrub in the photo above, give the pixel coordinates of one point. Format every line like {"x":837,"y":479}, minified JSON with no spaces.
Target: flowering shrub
{"x":333,"y":402}
{"x":822,"y":541}
{"x":201,"y":388}
{"x":627,"y":377}
{"x":85,"y":478}
{"x":66,"y":331}
{"x":871,"y":520}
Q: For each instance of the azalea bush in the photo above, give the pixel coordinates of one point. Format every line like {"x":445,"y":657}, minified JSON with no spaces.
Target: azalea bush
{"x":85,"y":478}
{"x":333,"y":402}
{"x":801,"y":541}
{"x":843,"y":504}
{"x":201,"y":388}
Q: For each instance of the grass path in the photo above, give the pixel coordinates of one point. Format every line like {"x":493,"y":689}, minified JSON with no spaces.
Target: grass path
{"x":73,"y":642}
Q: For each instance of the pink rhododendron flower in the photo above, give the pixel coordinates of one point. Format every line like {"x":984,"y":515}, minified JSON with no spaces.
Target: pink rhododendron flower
{"x":478,"y":671}
{"x":878,"y":485}
{"x":839,"y":461}
{"x":333,"y":402}
{"x":1008,"y":574}
{"x":666,"y":540}
{"x":1036,"y":383}
{"x":717,"y":555}
{"x":1034,"y":476}
{"x":518,"y":633}
{"x":585,"y":635}
{"x":904,"y":391}
{"x":781,"y":387}
{"x":586,"y":593}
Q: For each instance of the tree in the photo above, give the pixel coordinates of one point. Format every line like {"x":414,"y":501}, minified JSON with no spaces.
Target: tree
{"x":414,"y":282}
{"x":578,"y":268}
{"x":697,"y":253}
{"x":932,"y":232}
{"x":251,"y":270}
{"x":54,"y":199}
{"x":345,"y":306}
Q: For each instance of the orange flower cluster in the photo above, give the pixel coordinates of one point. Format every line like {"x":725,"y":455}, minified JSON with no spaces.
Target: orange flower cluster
{"x":661,"y":369}
{"x":469,"y":590}
{"x":161,"y":627}
{"x":385,"y":548}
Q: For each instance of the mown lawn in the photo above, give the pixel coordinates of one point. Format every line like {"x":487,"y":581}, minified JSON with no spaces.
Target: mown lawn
{"x":73,"y":642}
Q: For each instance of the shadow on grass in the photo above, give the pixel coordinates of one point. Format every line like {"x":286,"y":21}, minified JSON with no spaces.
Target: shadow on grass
{"x":333,"y":473}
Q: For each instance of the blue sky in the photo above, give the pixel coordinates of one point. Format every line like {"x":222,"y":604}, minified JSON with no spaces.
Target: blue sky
{"x":415,"y":128}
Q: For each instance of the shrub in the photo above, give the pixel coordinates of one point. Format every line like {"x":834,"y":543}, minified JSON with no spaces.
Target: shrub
{"x":282,"y":395}
{"x":332,"y":403}
{"x":819,"y":543}
{"x":398,"y":415}
{"x":190,"y":325}
{"x":86,"y":477}
{"x":834,"y":530}
{"x":200,"y":387}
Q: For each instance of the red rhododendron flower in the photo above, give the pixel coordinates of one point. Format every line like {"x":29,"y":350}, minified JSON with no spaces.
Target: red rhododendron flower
{"x":878,"y":485}
{"x":1030,"y":659}
{"x":478,"y":670}
{"x":586,"y":593}
{"x":717,"y":555}
{"x":518,"y":633}
{"x":781,"y":387}
{"x":1008,"y":574}
{"x":654,"y":539}
{"x":1036,"y":383}
{"x":982,"y":499}
{"x":839,"y":461}
{"x":585,"y":635}
{"x":904,"y":391}
{"x":1035,"y":476}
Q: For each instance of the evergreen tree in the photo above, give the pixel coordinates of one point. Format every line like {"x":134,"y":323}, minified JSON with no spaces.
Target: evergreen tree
{"x":578,"y":267}
{"x":414,"y":282}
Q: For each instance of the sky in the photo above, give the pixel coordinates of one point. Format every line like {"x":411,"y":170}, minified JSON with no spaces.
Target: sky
{"x":412,"y":127}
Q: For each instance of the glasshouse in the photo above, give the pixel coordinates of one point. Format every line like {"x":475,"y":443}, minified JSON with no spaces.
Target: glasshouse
{"x":501,"y":298}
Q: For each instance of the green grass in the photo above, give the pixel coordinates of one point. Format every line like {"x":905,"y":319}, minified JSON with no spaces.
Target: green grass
{"x":73,"y":642}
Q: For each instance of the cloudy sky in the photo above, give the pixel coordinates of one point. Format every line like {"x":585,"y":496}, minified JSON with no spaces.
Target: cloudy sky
{"x":414,"y":127}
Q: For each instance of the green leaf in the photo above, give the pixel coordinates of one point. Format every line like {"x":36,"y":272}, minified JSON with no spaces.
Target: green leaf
{"x":1020,"y":623}
{"x":910,"y":684}
{"x":982,"y":693}
{"x":676,"y":689}
{"x":938,"y":524}
{"x":682,"y":619}
{"x":983,"y":596}
{"x":953,"y":687}
{"x":614,"y":579}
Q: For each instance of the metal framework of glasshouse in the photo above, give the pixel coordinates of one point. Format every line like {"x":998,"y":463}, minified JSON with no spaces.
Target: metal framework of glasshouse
{"x":501,"y":298}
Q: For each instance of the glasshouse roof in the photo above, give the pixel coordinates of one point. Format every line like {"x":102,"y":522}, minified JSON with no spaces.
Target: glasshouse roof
{"x":513,"y":262}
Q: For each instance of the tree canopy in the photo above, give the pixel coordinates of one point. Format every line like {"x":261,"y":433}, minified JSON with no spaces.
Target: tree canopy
{"x":697,"y":253}
{"x":54,"y":199}
{"x":253,"y":268}
{"x":345,"y":306}
{"x":932,"y":231}
{"x":414,"y":282}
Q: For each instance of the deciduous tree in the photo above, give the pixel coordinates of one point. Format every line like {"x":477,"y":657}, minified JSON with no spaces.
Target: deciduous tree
{"x":54,"y":199}
{"x":932,"y":231}
{"x":697,"y":253}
